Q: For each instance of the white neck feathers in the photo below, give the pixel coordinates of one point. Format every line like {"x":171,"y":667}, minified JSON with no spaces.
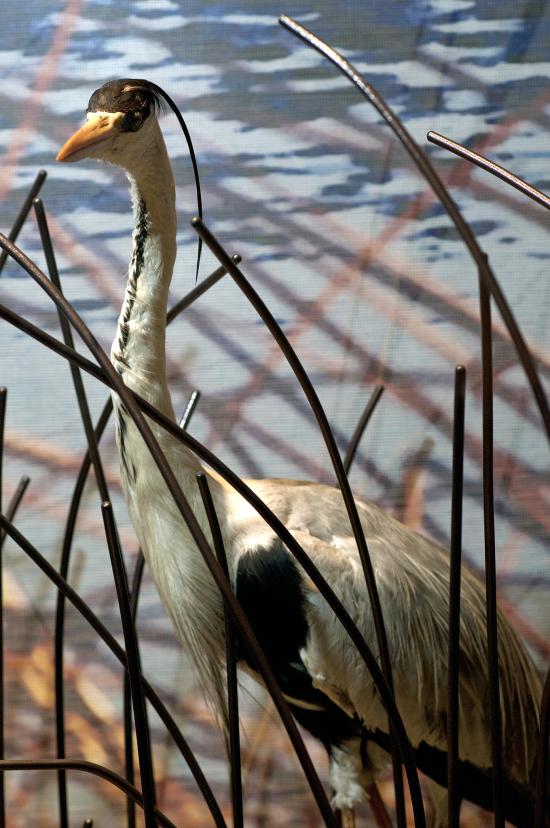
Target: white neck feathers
{"x":138,"y":350}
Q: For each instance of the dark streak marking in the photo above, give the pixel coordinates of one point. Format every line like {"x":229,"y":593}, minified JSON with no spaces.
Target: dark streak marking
{"x":135,"y":270}
{"x":122,"y":356}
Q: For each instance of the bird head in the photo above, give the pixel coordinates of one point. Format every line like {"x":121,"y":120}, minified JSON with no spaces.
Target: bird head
{"x":120,"y":120}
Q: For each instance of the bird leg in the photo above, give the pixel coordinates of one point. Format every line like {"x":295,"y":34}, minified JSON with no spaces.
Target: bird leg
{"x":347,"y":818}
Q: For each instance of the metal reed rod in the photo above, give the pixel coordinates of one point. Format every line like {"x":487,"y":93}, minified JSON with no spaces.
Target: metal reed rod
{"x":11,"y":511}
{"x":23,"y":213}
{"x":85,"y":767}
{"x":543,"y":765}
{"x":14,"y":504}
{"x":453,"y":700}
{"x":127,"y":696}
{"x":231,"y":661}
{"x":137,"y":580}
{"x":428,"y":171}
{"x":198,"y":290}
{"x":3,"y":401}
{"x":489,"y":533}
{"x":377,"y":805}
{"x":84,"y":609}
{"x":101,"y":482}
{"x":343,"y":482}
{"x":490,"y":166}
{"x":134,"y":667}
{"x":362,"y":423}
{"x":190,"y":408}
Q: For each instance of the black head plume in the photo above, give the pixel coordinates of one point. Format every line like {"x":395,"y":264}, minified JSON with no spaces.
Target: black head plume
{"x":137,"y":96}
{"x":126,"y":95}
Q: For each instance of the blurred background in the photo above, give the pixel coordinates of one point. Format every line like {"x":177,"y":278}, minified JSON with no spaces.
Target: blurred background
{"x":360,"y":266}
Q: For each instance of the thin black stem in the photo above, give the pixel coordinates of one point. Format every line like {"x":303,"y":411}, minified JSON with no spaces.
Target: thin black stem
{"x":14,"y":504}
{"x":190,"y":409}
{"x":70,"y":525}
{"x":301,"y":375}
{"x":11,"y":511}
{"x":490,"y":565}
{"x":543,"y":769}
{"x":85,"y":767}
{"x":23,"y":213}
{"x":137,"y":580}
{"x":491,"y":167}
{"x":362,"y":423}
{"x":127,"y":696}
{"x":3,"y":400}
{"x":427,"y":170}
{"x":83,"y":608}
{"x":134,"y":667}
{"x":231,"y":661}
{"x":93,"y":449}
{"x":356,"y":438}
{"x":453,"y":716}
{"x":198,"y":290}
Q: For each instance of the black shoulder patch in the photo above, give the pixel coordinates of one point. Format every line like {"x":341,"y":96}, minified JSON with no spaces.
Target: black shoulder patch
{"x":270,"y":592}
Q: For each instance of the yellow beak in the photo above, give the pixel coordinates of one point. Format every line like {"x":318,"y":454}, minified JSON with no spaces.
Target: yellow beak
{"x":97,"y":128}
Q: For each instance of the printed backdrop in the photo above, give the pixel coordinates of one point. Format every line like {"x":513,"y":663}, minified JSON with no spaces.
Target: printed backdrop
{"x":358,"y":263}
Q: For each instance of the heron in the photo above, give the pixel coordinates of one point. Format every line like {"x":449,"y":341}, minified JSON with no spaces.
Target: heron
{"x":322,"y":676}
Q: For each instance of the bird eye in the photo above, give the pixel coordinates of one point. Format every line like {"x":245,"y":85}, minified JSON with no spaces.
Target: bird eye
{"x":132,"y":121}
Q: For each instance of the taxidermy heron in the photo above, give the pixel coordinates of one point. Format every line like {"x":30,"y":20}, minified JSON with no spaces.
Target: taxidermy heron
{"x":322,"y":676}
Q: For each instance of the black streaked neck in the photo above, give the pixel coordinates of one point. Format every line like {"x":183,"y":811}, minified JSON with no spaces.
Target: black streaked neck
{"x":138,"y":350}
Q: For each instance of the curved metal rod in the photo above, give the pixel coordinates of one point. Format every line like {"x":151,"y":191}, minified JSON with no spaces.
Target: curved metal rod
{"x":429,"y":173}
{"x":66,"y":547}
{"x":101,"y":483}
{"x":87,"y":767}
{"x":453,"y":705}
{"x":377,"y":804}
{"x":83,"y":608}
{"x":490,"y":166}
{"x":126,"y":696}
{"x":182,"y":504}
{"x":495,"y":714}
{"x":135,"y":405}
{"x":362,"y":423}
{"x":143,"y":736}
{"x":23,"y":213}
{"x":230,"y":659}
{"x":135,"y":590}
{"x":543,"y":747}
{"x":351,"y":507}
{"x":11,"y":511}
{"x":14,"y":504}
{"x":3,"y":402}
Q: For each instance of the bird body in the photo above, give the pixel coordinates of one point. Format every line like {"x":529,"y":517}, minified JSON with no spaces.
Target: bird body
{"x":320,"y":672}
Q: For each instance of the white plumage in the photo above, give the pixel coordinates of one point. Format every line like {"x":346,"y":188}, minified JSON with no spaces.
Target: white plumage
{"x":320,"y":672}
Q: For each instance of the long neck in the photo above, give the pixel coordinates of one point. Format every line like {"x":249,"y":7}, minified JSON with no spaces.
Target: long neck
{"x":138,"y":351}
